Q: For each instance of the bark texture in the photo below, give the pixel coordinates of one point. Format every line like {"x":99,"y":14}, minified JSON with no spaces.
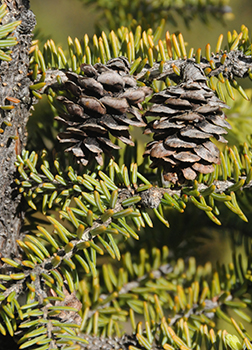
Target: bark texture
{"x":14,"y":82}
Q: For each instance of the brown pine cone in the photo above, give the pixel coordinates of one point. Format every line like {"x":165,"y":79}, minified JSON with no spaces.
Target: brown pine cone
{"x":98,"y":103}
{"x":189,"y":115}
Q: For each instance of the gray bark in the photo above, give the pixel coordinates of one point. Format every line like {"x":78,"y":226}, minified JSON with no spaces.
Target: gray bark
{"x":14,"y":82}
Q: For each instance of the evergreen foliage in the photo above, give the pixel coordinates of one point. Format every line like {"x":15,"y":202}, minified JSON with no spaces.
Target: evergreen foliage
{"x":6,"y":39}
{"x":85,"y":267}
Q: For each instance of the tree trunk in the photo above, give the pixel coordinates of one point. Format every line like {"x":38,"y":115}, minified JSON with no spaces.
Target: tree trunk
{"x":14,"y":82}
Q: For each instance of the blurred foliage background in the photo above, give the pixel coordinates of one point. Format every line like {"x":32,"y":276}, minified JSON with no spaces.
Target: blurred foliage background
{"x":60,"y":18}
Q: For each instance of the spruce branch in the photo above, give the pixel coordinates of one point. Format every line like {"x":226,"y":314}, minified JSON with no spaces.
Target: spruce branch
{"x":145,"y":51}
{"x":57,"y":188}
{"x":235,"y":65}
{"x":202,"y":309}
{"x":214,"y":292}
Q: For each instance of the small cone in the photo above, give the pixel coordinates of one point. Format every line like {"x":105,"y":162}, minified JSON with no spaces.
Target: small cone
{"x":189,"y":115}
{"x":97,"y":104}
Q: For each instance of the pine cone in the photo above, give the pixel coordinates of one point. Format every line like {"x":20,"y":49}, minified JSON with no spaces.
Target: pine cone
{"x":98,"y":104}
{"x":190,"y":114}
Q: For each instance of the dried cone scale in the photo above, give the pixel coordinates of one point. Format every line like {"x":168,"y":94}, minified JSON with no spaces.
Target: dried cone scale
{"x":97,"y":103}
{"x":189,"y":115}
